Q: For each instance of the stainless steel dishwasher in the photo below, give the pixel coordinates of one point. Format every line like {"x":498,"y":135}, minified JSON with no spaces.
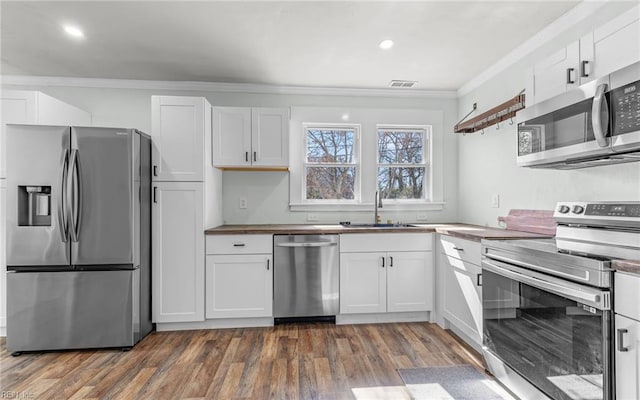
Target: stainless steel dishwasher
{"x":306,"y":276}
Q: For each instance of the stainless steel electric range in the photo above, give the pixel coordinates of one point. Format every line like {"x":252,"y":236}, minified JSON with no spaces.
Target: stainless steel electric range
{"x":547,"y":303}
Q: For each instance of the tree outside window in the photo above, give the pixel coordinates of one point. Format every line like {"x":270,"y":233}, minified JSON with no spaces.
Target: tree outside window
{"x":331,"y":163}
{"x":402,"y":163}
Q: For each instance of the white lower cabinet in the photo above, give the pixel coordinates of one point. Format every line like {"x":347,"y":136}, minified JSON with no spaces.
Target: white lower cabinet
{"x":239,"y":284}
{"x":178,"y":252}
{"x":392,"y":281}
{"x":3,"y":264}
{"x":459,"y":285}
{"x":627,"y":337}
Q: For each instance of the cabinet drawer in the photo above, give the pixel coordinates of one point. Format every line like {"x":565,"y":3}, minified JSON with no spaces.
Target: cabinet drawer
{"x":375,"y":242}
{"x":627,"y":295}
{"x":239,"y":244}
{"x":466,"y":250}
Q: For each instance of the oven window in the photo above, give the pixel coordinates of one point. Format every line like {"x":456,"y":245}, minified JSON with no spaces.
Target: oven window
{"x":555,"y":343}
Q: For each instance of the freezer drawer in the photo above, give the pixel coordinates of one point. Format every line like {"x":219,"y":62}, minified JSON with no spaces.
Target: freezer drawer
{"x":72,"y":310}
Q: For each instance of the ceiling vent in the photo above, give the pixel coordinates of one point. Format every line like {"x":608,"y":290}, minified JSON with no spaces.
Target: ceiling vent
{"x":402,"y":84}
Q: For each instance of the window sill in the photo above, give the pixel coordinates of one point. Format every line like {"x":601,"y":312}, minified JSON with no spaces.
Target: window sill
{"x":332,"y":207}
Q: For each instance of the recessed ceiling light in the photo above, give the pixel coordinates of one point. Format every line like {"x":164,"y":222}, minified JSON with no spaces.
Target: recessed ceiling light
{"x":386,"y":44}
{"x":74,"y":31}
{"x":345,"y":116}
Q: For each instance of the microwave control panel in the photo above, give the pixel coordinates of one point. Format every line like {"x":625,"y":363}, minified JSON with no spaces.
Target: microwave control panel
{"x":625,"y":107}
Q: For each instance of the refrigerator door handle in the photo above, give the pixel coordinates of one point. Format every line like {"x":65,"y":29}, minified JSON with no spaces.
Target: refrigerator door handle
{"x":76,"y":197}
{"x":62,"y":198}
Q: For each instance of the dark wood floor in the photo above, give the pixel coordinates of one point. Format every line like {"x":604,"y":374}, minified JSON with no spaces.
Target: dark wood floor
{"x":305,"y":361}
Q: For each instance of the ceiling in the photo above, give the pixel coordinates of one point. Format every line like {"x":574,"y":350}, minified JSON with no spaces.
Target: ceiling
{"x":440,"y":44}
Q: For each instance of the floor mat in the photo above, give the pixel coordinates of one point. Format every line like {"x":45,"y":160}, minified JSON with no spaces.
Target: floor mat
{"x":461,"y":382}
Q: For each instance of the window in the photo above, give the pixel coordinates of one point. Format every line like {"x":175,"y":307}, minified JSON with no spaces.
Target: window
{"x":402,"y":163}
{"x":331,"y":163}
{"x":341,"y":156}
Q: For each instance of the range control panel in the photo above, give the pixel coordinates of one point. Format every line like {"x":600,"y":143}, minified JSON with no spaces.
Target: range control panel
{"x":614,"y":210}
{"x":603,"y":213}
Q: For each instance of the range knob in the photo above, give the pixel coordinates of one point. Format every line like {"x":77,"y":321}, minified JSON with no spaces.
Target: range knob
{"x":563,"y":209}
{"x":578,"y":209}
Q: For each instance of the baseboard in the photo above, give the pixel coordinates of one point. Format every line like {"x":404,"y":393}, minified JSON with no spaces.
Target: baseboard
{"x":215,"y":324}
{"x":421,"y":316}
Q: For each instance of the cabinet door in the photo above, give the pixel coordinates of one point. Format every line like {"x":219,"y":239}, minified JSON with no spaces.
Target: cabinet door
{"x":3,"y":265}
{"x":627,"y":362}
{"x":270,"y":137}
{"x":239,"y":286}
{"x":556,"y":74}
{"x":461,"y":295}
{"x":409,"y":281}
{"x":363,"y":283}
{"x":177,"y":252}
{"x":177,"y":129}
{"x":612,"y":46}
{"x":232,"y":136}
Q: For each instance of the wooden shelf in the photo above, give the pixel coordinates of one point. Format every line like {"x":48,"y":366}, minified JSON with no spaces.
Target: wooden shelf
{"x":497,"y":114}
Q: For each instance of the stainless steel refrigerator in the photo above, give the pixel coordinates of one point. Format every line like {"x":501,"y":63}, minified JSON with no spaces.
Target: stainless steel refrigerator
{"x":78,"y":237}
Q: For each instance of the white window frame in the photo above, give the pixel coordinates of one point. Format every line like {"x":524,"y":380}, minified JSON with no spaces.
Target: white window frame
{"x":356,"y":164}
{"x":427,"y":189}
{"x":367,"y":119}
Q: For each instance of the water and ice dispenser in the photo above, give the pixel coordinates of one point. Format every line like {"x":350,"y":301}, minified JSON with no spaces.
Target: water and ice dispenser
{"x":34,"y":205}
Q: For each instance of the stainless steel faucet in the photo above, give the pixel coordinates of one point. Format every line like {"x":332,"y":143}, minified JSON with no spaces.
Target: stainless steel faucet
{"x":378,"y":204}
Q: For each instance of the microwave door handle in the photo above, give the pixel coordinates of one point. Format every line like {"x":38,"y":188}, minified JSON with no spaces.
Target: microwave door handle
{"x":62,"y":198}
{"x":600,"y":131}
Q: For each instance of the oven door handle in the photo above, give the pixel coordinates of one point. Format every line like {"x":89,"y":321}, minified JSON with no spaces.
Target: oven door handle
{"x":595,"y":298}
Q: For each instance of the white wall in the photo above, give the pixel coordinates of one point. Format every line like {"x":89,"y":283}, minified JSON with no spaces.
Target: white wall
{"x":267,"y":192}
{"x":487,"y":163}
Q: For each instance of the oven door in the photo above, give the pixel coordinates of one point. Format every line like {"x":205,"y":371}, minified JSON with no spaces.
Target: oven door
{"x":553,"y":333}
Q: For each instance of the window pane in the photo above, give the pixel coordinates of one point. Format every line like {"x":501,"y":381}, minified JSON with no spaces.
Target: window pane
{"x":326,"y":183}
{"x":400,"y":146}
{"x":401,"y":183}
{"x":330,"y":145}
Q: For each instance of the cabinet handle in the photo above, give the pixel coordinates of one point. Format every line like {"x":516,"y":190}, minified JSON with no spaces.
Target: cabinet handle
{"x":268,"y":264}
{"x":246,"y":156}
{"x":569,"y":72}
{"x":155,"y":192}
{"x":391,"y":261}
{"x":478,"y":279}
{"x":238,"y":245}
{"x":621,"y":333}
{"x":255,"y":156}
{"x":458,"y":248}
{"x":583,"y":69}
{"x":382,"y":262}
{"x":155,"y":170}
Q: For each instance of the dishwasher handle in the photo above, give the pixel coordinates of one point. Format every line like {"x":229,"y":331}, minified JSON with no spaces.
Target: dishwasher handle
{"x":307,"y":244}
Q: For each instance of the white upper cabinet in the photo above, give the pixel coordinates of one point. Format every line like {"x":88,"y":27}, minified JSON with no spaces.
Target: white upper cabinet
{"x":178,"y":129}
{"x":610,"y":47}
{"x":554,"y":74}
{"x":36,"y":108}
{"x":250,"y":137}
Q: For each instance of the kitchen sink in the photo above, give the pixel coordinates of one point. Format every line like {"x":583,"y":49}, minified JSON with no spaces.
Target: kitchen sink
{"x":378,"y":225}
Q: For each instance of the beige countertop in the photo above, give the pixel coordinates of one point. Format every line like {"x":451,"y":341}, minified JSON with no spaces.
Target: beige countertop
{"x":629,"y":266}
{"x":464,"y":231}
{"x":471,"y":232}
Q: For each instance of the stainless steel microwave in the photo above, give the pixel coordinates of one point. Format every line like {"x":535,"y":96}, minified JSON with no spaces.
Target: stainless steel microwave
{"x":595,"y":124}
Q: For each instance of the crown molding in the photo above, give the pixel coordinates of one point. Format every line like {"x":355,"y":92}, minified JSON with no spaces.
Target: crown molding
{"x":29,"y":80}
{"x":571,"y":18}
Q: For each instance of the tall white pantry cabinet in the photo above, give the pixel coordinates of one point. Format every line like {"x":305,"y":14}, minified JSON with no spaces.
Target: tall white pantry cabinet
{"x":185,"y":199}
{"x":33,"y":108}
